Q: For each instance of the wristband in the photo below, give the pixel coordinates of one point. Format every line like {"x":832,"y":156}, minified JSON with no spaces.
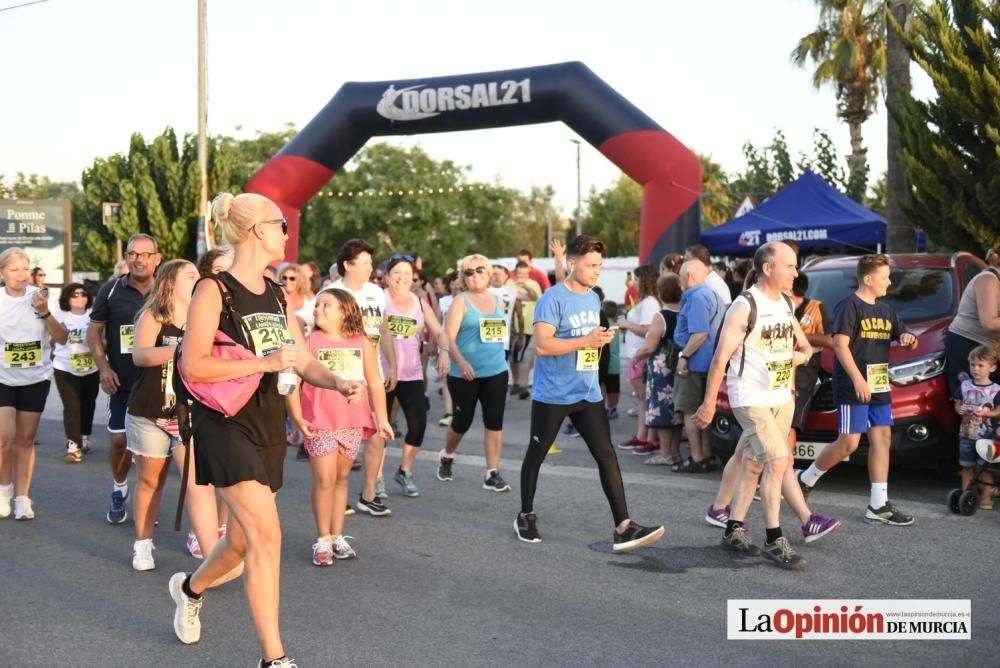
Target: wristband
{"x":44,"y":317}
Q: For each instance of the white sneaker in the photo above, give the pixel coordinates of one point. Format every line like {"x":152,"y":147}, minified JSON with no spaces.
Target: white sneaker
{"x":6,"y":494}
{"x":342,"y":549}
{"x":22,"y":508}
{"x":142,"y":555}
{"x":85,"y":446}
{"x":187,"y":624}
{"x":322,"y":551}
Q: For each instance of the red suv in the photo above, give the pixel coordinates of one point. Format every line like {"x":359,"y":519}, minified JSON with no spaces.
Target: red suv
{"x":925,"y":292}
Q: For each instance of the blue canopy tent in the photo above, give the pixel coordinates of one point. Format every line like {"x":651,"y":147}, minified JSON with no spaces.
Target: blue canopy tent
{"x":808,"y":210}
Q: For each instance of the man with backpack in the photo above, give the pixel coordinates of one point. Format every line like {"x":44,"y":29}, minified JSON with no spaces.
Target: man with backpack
{"x":762,"y":355}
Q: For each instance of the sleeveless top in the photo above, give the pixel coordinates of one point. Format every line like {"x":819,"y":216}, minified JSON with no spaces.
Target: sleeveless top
{"x":329,"y":409}
{"x":264,"y":329}
{"x":669,"y":317}
{"x":152,"y":395}
{"x":768,"y":375}
{"x":966,"y":322}
{"x":487,"y":358}
{"x":405,"y":328}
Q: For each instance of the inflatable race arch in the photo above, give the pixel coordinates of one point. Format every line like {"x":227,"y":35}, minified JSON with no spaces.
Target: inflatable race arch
{"x":569,"y":92}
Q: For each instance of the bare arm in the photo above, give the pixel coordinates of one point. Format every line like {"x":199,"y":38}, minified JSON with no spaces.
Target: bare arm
{"x":145,"y":352}
{"x":559,"y":253}
{"x":548,"y":344}
{"x":654,"y":332}
{"x":988,"y":304}
{"x":733,"y":329}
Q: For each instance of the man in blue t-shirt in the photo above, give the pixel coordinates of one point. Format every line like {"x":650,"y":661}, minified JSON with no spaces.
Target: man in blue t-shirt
{"x":568,"y":339}
{"x":862,"y":331}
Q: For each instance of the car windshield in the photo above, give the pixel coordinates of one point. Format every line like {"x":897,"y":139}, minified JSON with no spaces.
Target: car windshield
{"x":917,"y":294}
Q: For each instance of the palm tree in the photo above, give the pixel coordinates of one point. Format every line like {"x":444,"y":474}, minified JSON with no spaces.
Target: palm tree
{"x":848,"y":49}
{"x":717,"y":203}
{"x":900,"y":234}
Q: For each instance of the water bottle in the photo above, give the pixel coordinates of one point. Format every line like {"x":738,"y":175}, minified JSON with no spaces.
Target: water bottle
{"x":287,"y":378}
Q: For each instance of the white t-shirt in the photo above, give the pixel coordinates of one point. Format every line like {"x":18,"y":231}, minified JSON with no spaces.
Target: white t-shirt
{"x":768,"y":375}
{"x":444,"y":304}
{"x":507,"y":295}
{"x":371,"y":301}
{"x":641,"y":314}
{"x":306,"y":313}
{"x":24,"y":342}
{"x":74,"y":356}
{"x":719,"y":287}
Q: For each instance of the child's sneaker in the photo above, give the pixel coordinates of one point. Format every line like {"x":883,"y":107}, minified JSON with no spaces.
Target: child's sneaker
{"x":380,"y":492}
{"x":23,"y":509}
{"x":322,"y":552}
{"x":341,"y":548}
{"x":887,"y":514}
{"x":194,"y":547}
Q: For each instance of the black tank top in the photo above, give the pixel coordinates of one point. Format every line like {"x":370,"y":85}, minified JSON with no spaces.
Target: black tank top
{"x":263,"y":330}
{"x":152,"y":395}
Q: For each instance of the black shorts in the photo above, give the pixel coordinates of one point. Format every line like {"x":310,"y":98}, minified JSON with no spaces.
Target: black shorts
{"x":613,"y":383}
{"x":805,"y":389}
{"x":225,"y":456}
{"x":490,"y":392}
{"x":27,"y":398}
{"x":117,"y":407}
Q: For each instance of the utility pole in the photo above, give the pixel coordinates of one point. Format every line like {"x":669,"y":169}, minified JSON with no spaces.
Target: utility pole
{"x":204,"y":240}
{"x":578,"y":205}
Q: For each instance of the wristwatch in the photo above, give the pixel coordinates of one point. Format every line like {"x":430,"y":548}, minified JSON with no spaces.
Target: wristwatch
{"x":682,"y":356}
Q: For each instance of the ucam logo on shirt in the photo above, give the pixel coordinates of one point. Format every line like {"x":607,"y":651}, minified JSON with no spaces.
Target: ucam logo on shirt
{"x":414,"y":103}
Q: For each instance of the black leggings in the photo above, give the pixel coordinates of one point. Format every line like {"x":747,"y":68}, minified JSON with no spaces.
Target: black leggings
{"x":592,"y":423}
{"x":79,"y":396}
{"x":410,"y":394}
{"x":490,"y":392}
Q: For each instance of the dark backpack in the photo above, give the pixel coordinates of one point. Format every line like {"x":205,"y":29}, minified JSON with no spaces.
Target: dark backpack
{"x":751,"y":323}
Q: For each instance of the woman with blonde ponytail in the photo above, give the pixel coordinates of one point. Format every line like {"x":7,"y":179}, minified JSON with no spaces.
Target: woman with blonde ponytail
{"x":243,"y":454}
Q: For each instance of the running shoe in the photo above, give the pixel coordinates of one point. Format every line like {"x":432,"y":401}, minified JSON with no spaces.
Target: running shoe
{"x":444,"y":468}
{"x":739,"y":541}
{"x":636,"y":536}
{"x":632,"y":412}
{"x":631,"y":443}
{"x":405,"y":480}
{"x":23,"y":509}
{"x":495,"y":483}
{"x":515,"y":389}
{"x":194,"y":547}
{"x":323,"y":552}
{"x":554,"y":450}
{"x":717,"y":517}
{"x":525,"y":528}
{"x":349,"y":511}
{"x":355,"y":465}
{"x":283,"y":662}
{"x":341,"y":548}
{"x":301,"y":455}
{"x":612,"y":413}
{"x":783,"y":555}
{"x":647,"y":447}
{"x":6,"y":496}
{"x":570,"y":430}
{"x":806,"y":489}
{"x":374,"y":507}
{"x":887,"y":514}
{"x":85,"y":446}
{"x":74,"y":455}
{"x":142,"y":555}
{"x":380,"y":492}
{"x":818,"y":526}
{"x":445,"y":421}
{"x":187,"y":624}
{"x":117,"y":512}
{"x":524,"y":394}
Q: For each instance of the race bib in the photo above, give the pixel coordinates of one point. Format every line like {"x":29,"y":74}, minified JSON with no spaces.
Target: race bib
{"x":402,"y":326}
{"x":82,"y":361}
{"x":878,"y":378}
{"x":268,"y":332}
{"x":126,"y":338}
{"x":345,"y":362}
{"x":373,"y":328}
{"x":22,"y":355}
{"x":169,"y":398}
{"x":492,"y":330}
{"x":588,"y":359}
{"x":779,"y":374}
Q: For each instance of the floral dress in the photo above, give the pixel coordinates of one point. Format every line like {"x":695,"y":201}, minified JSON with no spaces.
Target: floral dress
{"x":660,"y":413}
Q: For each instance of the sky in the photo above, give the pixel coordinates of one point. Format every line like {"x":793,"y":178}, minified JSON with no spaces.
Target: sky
{"x":80,"y":76}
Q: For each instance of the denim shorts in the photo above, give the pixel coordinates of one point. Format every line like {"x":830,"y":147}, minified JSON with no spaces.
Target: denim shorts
{"x":967,"y":455}
{"x":147,"y":439}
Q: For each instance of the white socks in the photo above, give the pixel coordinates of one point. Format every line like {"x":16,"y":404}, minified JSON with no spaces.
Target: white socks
{"x":879,"y":495}
{"x":811,"y":475}
{"x":121,"y":487}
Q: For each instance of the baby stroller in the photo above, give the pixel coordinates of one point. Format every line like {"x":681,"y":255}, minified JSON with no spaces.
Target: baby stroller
{"x":965,"y":502}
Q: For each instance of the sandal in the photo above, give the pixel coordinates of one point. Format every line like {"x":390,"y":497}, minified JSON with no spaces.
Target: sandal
{"x":683,"y":466}
{"x":660,"y":460}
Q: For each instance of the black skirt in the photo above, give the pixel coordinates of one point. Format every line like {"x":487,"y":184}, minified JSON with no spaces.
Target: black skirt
{"x":224,"y":455}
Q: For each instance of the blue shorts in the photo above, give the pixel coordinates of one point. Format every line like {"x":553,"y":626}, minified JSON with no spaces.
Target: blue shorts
{"x":117,"y":405}
{"x":967,"y":455}
{"x":858,"y":418}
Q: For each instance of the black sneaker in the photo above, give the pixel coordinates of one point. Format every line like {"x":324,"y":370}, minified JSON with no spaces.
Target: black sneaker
{"x":373,"y":507}
{"x":524,"y":527}
{"x":739,"y":541}
{"x":302,"y":455}
{"x":783,"y":555}
{"x":887,"y":514}
{"x":635,"y":536}
{"x":444,"y":468}
{"x":806,"y":489}
{"x":495,"y":483}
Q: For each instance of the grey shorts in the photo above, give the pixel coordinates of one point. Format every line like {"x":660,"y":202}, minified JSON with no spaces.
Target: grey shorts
{"x":148,"y":440}
{"x":689,"y":392}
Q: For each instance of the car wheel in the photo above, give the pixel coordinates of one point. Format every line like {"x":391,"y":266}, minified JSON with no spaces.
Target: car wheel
{"x":953,"y":497}
{"x":968,"y":502}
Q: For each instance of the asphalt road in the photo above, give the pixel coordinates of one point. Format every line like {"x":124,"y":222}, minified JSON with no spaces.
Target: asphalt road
{"x":443,"y":582}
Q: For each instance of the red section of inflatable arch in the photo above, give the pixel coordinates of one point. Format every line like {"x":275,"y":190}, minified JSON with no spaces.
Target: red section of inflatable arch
{"x":290,"y":181}
{"x":669,"y":173}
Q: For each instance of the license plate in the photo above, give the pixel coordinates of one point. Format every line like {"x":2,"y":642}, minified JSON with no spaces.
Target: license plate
{"x":810,"y":450}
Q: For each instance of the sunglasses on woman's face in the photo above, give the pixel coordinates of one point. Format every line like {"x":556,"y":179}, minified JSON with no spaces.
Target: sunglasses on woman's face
{"x":472,"y":271}
{"x":288,"y":279}
{"x":282,"y":221}
{"x":78,"y":293}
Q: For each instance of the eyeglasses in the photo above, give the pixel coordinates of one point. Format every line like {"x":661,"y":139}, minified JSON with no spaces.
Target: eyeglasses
{"x":78,"y":293}
{"x":400,"y":256}
{"x":283,"y":221}
{"x":475,"y":270}
{"x":132,"y":256}
{"x":288,"y":279}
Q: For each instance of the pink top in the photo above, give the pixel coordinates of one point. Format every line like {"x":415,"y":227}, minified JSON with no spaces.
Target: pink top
{"x":328,"y":409}
{"x":405,"y":327}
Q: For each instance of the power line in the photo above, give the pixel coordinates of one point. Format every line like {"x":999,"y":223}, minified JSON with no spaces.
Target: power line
{"x":23,"y":4}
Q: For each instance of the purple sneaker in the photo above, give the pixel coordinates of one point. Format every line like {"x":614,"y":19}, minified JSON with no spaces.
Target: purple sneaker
{"x":717,"y":517}
{"x":818,"y":526}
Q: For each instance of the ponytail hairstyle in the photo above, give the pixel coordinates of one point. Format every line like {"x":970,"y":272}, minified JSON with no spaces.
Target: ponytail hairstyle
{"x":234,"y":215}
{"x":993,"y":257}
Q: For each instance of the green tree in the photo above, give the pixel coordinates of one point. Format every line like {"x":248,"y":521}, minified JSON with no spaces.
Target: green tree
{"x":900,"y":236}
{"x":848,"y":50}
{"x":613,"y":215}
{"x":718,"y":202}
{"x":951,"y":142}
{"x":535,"y":213}
{"x":33,"y":186}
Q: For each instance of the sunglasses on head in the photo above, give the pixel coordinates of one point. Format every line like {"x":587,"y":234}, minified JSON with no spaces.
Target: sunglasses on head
{"x":400,"y":256}
{"x":472,"y":271}
{"x":283,"y":221}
